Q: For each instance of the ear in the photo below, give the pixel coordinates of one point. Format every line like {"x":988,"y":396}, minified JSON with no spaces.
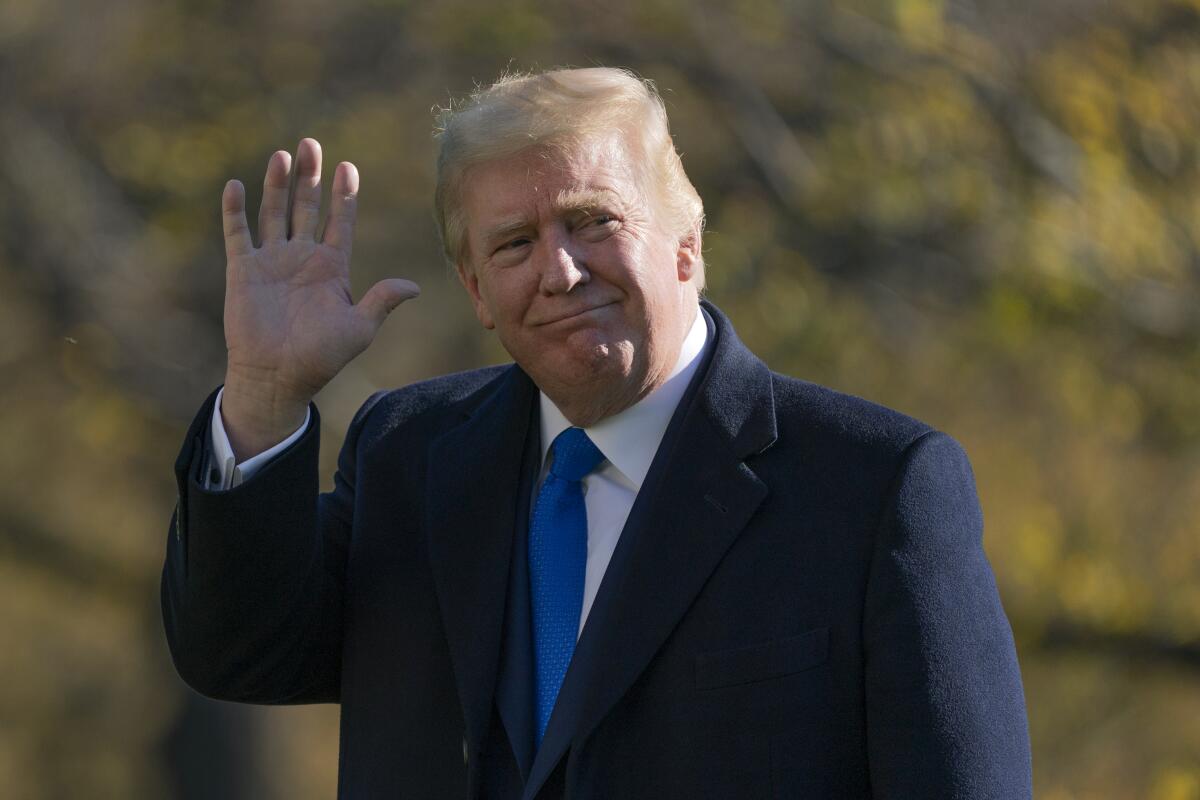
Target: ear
{"x":687,"y":257}
{"x":470,"y":282}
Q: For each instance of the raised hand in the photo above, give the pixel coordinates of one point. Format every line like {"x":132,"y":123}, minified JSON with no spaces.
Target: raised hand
{"x":290,"y":321}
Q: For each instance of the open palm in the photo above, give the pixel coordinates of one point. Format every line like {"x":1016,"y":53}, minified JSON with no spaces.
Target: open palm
{"x":291,"y":323}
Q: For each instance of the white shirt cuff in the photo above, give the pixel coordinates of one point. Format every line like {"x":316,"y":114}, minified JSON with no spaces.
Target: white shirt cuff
{"x":222,"y":471}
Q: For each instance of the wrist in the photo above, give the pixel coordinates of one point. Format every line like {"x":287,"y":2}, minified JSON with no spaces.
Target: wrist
{"x":258,"y":414}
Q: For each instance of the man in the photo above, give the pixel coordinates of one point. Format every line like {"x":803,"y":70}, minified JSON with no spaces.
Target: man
{"x":635,"y":564}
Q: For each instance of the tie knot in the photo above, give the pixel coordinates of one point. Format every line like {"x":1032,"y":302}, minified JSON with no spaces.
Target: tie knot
{"x":574,"y":455}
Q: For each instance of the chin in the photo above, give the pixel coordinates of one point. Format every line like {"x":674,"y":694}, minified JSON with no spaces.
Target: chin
{"x":588,"y":364}
{"x":601,"y":364}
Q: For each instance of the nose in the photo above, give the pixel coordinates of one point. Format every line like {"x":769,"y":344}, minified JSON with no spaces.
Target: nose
{"x":560,"y":264}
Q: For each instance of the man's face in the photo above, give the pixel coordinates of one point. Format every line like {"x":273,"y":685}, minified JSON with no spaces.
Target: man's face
{"x":570,"y":264}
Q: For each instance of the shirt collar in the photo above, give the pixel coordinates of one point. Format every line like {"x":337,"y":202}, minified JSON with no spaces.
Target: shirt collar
{"x":630,"y":439}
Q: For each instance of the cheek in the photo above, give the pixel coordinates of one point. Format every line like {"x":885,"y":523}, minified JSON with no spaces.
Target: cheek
{"x":507,"y":298}
{"x":633,"y":268}
{"x":657,"y":276}
{"x":483,"y":308}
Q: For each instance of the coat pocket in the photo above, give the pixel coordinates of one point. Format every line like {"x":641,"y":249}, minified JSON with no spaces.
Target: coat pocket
{"x":763,"y":661}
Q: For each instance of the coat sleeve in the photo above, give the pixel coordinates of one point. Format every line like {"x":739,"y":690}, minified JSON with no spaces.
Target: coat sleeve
{"x":253,"y":581}
{"x":945,"y":706}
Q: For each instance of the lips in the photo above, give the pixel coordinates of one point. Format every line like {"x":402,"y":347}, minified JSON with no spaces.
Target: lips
{"x":573,"y":314}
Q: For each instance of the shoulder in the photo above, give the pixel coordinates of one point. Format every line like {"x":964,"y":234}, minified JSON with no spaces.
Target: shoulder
{"x":853,"y":438}
{"x":809,"y":418}
{"x":429,"y":406}
{"x":843,"y":417}
{"x":444,"y":392}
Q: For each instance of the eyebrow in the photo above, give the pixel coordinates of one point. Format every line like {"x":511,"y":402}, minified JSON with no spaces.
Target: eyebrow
{"x":585,"y":200}
{"x":504,"y":230}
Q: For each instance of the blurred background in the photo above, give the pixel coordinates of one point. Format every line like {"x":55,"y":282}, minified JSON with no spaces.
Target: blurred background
{"x":985,"y":213}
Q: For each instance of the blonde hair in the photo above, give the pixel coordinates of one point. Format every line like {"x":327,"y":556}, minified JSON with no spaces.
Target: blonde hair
{"x":561,"y":109}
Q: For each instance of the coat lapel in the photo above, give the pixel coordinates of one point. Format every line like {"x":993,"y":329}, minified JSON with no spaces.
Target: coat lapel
{"x":514,"y":692}
{"x":695,"y":502}
{"x":474,"y":480}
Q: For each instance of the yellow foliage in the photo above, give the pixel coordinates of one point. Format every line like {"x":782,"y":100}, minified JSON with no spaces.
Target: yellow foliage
{"x":1177,"y":783}
{"x":997,"y":231}
{"x":921,"y":22}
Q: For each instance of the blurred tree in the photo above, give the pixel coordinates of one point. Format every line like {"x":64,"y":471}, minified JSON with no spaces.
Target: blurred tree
{"x":984,"y":213}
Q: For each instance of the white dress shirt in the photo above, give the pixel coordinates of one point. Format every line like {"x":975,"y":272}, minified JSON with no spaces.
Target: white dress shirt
{"x":223,"y":472}
{"x":628,"y":440}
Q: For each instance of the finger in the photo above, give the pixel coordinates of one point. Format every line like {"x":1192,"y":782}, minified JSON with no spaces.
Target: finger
{"x":272,"y":214}
{"x":382,"y":298}
{"x":306,"y":197}
{"x":233,"y":220}
{"x":343,"y":210}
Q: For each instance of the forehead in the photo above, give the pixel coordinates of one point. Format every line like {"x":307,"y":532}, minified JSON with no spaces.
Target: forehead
{"x":543,"y":180}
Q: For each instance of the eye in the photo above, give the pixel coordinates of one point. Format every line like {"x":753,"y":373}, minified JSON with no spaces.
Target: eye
{"x":599,"y":226}
{"x":513,"y":244}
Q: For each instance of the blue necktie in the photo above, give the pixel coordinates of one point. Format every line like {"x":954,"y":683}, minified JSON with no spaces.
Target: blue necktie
{"x":557,"y":562}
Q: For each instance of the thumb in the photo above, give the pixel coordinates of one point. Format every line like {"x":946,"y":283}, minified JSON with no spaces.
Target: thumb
{"x":382,"y":298}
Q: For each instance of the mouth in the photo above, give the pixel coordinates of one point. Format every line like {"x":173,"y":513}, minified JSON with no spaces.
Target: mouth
{"x":575,"y":314}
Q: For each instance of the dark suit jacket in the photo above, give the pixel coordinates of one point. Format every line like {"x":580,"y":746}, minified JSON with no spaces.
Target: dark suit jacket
{"x":799,"y":605}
